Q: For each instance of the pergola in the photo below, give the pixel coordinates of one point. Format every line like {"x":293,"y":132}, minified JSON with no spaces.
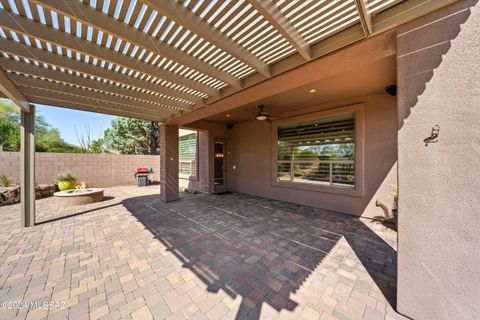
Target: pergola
{"x":159,"y":60}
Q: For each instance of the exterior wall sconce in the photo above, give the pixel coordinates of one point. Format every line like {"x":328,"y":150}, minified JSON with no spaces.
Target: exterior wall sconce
{"x":433,"y":135}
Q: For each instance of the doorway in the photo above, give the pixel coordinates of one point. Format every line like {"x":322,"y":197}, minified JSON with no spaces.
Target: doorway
{"x":220,"y":184}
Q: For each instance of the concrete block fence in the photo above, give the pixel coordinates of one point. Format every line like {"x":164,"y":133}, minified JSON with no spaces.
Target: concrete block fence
{"x":96,"y":170}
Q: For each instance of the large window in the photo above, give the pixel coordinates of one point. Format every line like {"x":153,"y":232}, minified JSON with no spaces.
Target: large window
{"x":320,"y":152}
{"x":187,"y":149}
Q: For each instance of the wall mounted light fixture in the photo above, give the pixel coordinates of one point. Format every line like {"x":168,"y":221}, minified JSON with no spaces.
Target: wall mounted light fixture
{"x":433,"y":135}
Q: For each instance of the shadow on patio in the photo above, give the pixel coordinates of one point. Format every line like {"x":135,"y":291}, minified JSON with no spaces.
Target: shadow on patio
{"x":261,"y":249}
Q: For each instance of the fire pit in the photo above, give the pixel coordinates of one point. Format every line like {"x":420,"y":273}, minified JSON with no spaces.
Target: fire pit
{"x":78,"y":196}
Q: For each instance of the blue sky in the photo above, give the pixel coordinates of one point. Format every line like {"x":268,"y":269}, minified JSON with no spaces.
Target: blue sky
{"x":66,"y":120}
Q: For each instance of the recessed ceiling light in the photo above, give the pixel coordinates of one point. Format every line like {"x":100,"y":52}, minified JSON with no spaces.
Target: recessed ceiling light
{"x":228,"y":116}
{"x":312,"y":90}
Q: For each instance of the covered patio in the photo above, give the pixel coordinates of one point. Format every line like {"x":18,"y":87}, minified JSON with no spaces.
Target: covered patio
{"x":307,"y":117}
{"x":229,"y":256}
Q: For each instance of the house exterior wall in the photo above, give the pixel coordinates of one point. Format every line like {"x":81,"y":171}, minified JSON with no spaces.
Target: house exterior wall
{"x":249,"y":149}
{"x":438,"y":73}
{"x":96,"y":170}
{"x":169,"y":162}
{"x":207,"y":132}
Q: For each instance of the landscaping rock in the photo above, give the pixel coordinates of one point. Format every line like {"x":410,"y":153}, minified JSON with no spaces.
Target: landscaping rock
{"x":45,"y":190}
{"x":11,"y":195}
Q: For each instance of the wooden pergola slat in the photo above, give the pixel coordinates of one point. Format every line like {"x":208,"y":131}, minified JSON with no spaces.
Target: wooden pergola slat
{"x":30,"y":82}
{"x":56,"y":75}
{"x":176,"y":11}
{"x":57,"y":100}
{"x":97,"y":19}
{"x":276,"y":18}
{"x":26,"y":26}
{"x":57,"y":92}
{"x":42,"y":56}
{"x":10,"y":90}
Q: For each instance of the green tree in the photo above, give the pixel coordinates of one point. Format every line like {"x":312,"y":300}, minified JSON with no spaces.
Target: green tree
{"x":9,"y":136}
{"x":9,"y":126}
{"x":9,"y":111}
{"x":47,"y":139}
{"x":132,"y":136}
{"x":50,"y":140}
{"x":97,"y":146}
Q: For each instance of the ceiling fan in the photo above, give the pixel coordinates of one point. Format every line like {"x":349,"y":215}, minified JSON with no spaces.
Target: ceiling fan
{"x":262,"y":115}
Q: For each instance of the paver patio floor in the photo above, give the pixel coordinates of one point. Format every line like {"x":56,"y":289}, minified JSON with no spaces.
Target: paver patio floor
{"x":231,"y":256}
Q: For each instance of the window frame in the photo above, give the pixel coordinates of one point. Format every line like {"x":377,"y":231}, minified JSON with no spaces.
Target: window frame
{"x":359,"y":115}
{"x":184,"y":175}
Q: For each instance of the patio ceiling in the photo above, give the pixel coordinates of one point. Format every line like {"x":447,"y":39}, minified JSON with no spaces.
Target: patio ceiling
{"x":158,"y":60}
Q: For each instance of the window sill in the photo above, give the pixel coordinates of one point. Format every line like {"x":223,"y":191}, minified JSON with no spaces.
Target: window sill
{"x":340,"y":190}
{"x":187,"y":177}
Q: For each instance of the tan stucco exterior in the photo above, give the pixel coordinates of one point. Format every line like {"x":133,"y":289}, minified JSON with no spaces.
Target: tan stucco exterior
{"x":438,"y":80}
{"x":169,"y":162}
{"x":207,"y":132}
{"x":249,"y":142}
{"x":437,"y":68}
{"x":250,"y":147}
{"x":250,"y":166}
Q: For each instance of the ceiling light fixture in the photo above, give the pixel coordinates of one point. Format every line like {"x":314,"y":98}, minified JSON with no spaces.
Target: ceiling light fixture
{"x":312,"y":90}
{"x":262,"y":115}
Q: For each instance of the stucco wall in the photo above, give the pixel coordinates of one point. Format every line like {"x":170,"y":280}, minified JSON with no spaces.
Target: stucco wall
{"x":97,"y":170}
{"x":250,"y":151}
{"x":438,"y":81}
{"x":207,"y":132}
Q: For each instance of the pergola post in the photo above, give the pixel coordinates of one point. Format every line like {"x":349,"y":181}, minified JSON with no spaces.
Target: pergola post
{"x":27,"y":167}
{"x":169,"y":162}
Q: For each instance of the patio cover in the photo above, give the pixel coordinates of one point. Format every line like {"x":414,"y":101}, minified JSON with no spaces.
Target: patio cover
{"x":158,"y":60}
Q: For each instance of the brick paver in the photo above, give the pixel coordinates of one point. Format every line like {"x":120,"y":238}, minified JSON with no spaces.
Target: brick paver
{"x":229,"y":256}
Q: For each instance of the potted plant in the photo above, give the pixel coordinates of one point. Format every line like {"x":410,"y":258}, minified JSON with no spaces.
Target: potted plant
{"x":66,"y":181}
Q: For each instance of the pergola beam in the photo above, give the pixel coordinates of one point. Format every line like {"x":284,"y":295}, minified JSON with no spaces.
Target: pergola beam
{"x":54,"y":101}
{"x":30,"y":86}
{"x":406,"y":11}
{"x":365,"y":17}
{"x":41,"y":72}
{"x":8,"y":88}
{"x":107,"y":24}
{"x":174,"y":10}
{"x":37,"y":30}
{"x":27,"y":82}
{"x":42,"y":56}
{"x":280,"y":22}
{"x":59,"y":99}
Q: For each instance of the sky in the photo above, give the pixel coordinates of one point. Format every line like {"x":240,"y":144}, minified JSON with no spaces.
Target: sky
{"x":67,"y":120}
